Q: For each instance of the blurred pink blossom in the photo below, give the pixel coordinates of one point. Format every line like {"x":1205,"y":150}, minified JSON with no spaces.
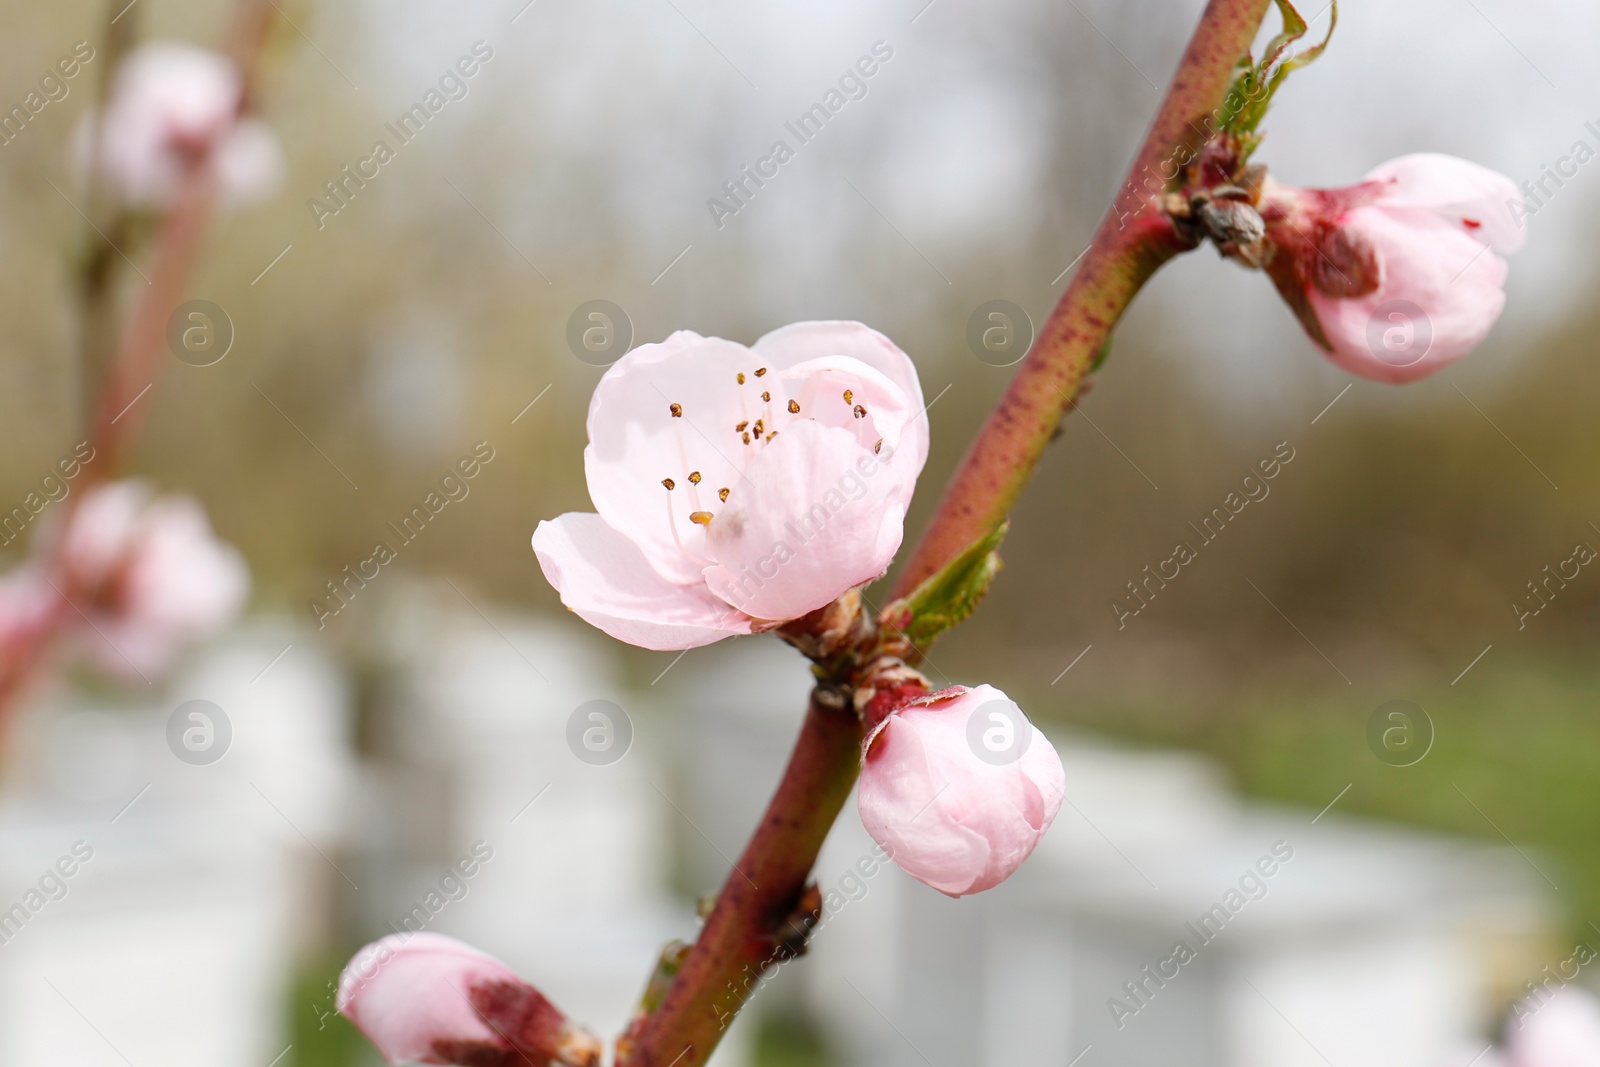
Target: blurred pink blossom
{"x":149,"y":575}
{"x":170,"y":101}
{"x":959,"y":787}
{"x":1561,"y":1030}
{"x":738,"y":488}
{"x":1399,"y":275}
{"x":428,"y":998}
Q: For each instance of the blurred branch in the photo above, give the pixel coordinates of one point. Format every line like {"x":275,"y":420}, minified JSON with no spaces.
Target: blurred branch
{"x":1133,"y":241}
{"x":119,"y":412}
{"x":97,"y":280}
{"x":136,"y":362}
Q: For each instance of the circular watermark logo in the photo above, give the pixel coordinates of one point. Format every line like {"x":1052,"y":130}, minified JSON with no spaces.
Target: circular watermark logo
{"x":198,"y":732}
{"x":1399,"y":733}
{"x":999,"y":332}
{"x":200,"y":333}
{"x":1399,"y":333}
{"x":599,"y":332}
{"x":599,"y":732}
{"x":998,"y":733}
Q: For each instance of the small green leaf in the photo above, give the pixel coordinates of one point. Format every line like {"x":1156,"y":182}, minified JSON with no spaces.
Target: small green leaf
{"x":948,"y":597}
{"x":667,"y":967}
{"x":1100,"y":354}
{"x":1255,"y":83}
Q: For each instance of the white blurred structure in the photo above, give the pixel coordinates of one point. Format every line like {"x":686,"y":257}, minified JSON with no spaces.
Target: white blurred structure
{"x":576,"y":895}
{"x":194,"y":890}
{"x":1368,"y":945}
{"x":173,"y":939}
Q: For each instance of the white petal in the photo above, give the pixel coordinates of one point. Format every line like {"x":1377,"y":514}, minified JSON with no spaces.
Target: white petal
{"x":605,"y":579}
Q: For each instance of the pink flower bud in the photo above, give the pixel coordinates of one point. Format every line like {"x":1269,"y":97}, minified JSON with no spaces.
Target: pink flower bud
{"x":170,"y":101}
{"x":1397,"y":276}
{"x":427,"y":998}
{"x":1561,"y":1030}
{"x":958,"y":787}
{"x":738,"y":488}
{"x":149,"y":575}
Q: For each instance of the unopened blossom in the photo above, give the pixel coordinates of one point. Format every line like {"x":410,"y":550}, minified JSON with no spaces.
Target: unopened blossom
{"x":736,"y":488}
{"x":428,"y":998}
{"x":959,"y":787}
{"x":1400,"y":274}
{"x":149,"y":576}
{"x":170,"y":103}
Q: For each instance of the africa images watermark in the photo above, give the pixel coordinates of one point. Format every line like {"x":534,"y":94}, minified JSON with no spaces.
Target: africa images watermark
{"x":1540,"y":993}
{"x":53,"y":88}
{"x":341,"y":189}
{"x":355,"y":576}
{"x":1537,"y":192}
{"x":1251,"y":887}
{"x":52,"y":886}
{"x":1254,"y":488}
{"x":852,"y":85}
{"x":52,"y":490}
{"x":1540,"y":595}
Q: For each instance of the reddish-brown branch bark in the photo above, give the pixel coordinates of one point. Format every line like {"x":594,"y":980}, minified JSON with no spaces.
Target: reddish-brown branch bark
{"x":761,"y":897}
{"x":755,"y":920}
{"x":1133,"y":241}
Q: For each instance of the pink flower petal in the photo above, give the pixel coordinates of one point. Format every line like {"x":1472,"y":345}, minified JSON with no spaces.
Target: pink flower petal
{"x":801,"y":341}
{"x":1557,"y":1029}
{"x":1465,"y":194}
{"x":929,"y":799}
{"x":603,"y":577}
{"x":806,"y":523}
{"x":411,"y":991}
{"x":635,"y":442}
{"x":1429,"y":266}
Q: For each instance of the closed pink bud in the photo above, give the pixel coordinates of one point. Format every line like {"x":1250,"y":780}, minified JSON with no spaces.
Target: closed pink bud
{"x":1562,"y":1030}
{"x":171,"y":100}
{"x":958,"y":787}
{"x":1399,"y":275}
{"x":427,"y":998}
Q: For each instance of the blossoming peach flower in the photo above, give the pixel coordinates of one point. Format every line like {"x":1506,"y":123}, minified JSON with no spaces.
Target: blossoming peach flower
{"x":1398,"y":275}
{"x":736,"y":488}
{"x":428,"y":998}
{"x":170,"y":101}
{"x":149,"y":575}
{"x":958,"y":787}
